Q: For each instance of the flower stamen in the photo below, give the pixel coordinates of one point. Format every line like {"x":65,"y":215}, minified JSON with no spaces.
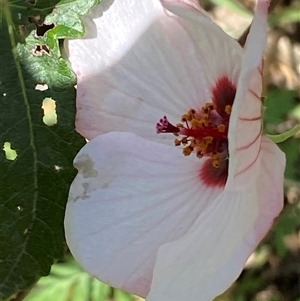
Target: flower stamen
{"x":228,"y":110}
{"x":203,"y":132}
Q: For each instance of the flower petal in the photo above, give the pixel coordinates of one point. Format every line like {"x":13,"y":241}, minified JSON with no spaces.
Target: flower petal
{"x":245,"y":127}
{"x":129,"y":197}
{"x":210,"y":256}
{"x":147,"y":62}
{"x":194,"y":4}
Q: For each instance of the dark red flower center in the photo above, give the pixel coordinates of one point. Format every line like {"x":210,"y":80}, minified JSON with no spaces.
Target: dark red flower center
{"x":204,"y":132}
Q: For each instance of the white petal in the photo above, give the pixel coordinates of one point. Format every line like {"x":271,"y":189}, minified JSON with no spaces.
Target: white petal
{"x":204,"y":262}
{"x":147,"y":62}
{"x":172,"y":5}
{"x":131,"y":196}
{"x":245,"y":121}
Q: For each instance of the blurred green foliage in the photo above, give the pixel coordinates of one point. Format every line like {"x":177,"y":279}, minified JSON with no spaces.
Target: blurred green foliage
{"x":280,"y":105}
{"x":68,"y":282}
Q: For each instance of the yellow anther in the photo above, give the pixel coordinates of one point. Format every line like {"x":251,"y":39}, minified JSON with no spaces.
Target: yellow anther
{"x":191,"y":113}
{"x":204,"y":122}
{"x":207,"y":108}
{"x":208,"y":139}
{"x":177,"y":142}
{"x":203,"y":143}
{"x":184,"y":141}
{"x":196,"y":123}
{"x":187,"y":150}
{"x":216,"y":163}
{"x":221,"y":128}
{"x":199,"y":154}
{"x":193,"y":143}
{"x":210,"y":106}
{"x":189,"y":116}
{"x":216,"y":160}
{"x":184,"y":118}
{"x":228,"y":109}
{"x":198,"y":133}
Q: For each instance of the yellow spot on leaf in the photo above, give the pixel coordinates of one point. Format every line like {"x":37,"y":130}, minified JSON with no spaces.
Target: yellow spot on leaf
{"x":10,"y":153}
{"x":49,"y":107}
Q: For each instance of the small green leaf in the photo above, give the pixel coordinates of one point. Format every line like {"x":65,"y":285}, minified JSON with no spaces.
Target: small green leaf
{"x":66,"y":16}
{"x":286,"y":135}
{"x":41,"y":55}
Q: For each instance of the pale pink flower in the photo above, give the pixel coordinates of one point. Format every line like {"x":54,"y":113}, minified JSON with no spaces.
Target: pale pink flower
{"x":142,"y":216}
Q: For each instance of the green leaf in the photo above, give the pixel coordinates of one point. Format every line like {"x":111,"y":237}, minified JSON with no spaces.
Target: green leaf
{"x":291,"y":149}
{"x":67,"y":281}
{"x":280,"y":104}
{"x":21,"y":11}
{"x":41,"y":53}
{"x":38,"y":146}
{"x":67,"y":17}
